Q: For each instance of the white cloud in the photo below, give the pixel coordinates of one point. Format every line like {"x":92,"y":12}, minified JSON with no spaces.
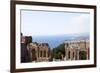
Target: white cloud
{"x":79,"y":24}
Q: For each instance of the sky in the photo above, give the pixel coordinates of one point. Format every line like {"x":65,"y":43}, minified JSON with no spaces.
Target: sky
{"x":49,"y":23}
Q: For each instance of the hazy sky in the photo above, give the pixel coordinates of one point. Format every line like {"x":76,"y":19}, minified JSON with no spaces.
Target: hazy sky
{"x":42,"y":23}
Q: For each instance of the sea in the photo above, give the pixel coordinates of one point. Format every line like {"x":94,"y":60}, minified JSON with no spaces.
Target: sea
{"x":56,"y":40}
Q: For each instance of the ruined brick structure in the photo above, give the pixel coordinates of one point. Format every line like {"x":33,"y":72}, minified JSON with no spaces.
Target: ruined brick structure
{"x":77,"y":50}
{"x":39,"y":51}
{"x":25,"y":56}
{"x":33,"y":51}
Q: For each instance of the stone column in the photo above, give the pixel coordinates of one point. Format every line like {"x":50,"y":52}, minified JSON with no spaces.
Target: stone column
{"x":77,"y":54}
{"x":67,"y":54}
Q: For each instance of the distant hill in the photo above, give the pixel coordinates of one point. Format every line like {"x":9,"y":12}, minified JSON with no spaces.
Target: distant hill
{"x":54,"y":41}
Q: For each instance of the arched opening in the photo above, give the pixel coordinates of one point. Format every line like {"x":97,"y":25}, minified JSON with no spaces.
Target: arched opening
{"x":73,"y":55}
{"x":69,"y":55}
{"x":33,"y":55}
{"x":44,"y":53}
{"x":82,"y":55}
{"x":41,"y":53}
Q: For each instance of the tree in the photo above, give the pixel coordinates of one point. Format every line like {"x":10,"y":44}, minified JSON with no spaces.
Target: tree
{"x":82,"y":55}
{"x":58,"y":51}
{"x":28,"y":39}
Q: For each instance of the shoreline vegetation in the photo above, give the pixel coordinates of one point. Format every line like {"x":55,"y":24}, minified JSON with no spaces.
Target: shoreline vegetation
{"x":69,"y":48}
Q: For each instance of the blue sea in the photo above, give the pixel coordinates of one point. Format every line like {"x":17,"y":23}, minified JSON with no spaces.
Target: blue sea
{"x":56,"y":40}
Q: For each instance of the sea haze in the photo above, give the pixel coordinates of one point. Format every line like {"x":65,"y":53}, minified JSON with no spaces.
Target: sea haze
{"x":56,"y":40}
